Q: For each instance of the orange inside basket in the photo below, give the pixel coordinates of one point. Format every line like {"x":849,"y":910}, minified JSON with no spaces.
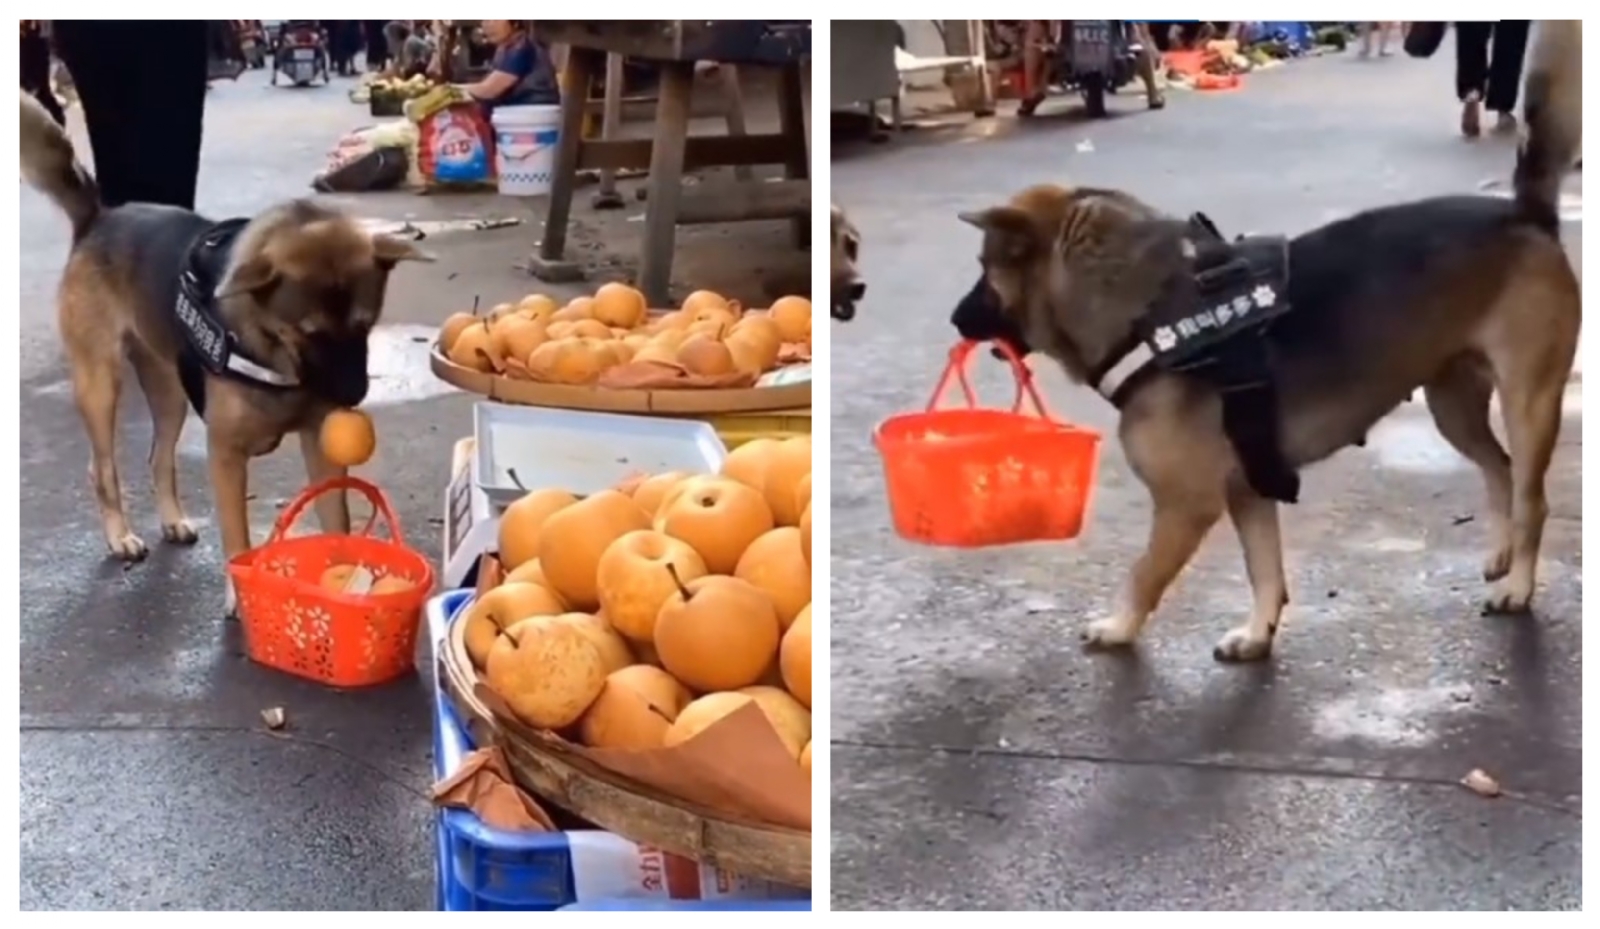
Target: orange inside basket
{"x":295,"y":625}
{"x":977,"y":477}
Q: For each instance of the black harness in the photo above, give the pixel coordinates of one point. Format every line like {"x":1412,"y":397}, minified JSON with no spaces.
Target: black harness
{"x":1212,"y":325}
{"x":209,"y":347}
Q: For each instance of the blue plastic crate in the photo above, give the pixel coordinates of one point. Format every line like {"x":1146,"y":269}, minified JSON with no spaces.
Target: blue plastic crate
{"x":1298,"y":35}
{"x":480,"y":868}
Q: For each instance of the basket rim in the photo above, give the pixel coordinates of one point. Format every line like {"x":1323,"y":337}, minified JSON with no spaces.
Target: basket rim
{"x":248,"y":558}
{"x":896,"y":430}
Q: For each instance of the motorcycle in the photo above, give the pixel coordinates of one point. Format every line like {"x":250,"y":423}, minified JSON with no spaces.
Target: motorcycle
{"x":1093,"y":57}
{"x":1096,"y":57}
{"x":301,"y":54}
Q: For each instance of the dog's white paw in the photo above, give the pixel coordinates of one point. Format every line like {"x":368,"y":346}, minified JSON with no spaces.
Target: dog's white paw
{"x":1511,"y":595}
{"x":128,"y":547}
{"x":180,"y":533}
{"x":230,"y":600}
{"x":1242,"y":644}
{"x":1113,"y":632}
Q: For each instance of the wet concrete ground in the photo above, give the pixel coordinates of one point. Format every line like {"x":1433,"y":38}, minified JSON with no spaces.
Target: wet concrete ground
{"x":148,"y":781}
{"x":981,"y":760}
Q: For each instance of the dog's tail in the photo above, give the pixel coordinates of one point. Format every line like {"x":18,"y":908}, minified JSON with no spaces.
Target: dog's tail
{"x":1553,"y":118}
{"x":50,"y":165}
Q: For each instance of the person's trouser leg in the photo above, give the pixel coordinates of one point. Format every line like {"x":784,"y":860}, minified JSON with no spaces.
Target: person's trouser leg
{"x":377,"y":45}
{"x":1472,"y":58}
{"x":142,"y":85}
{"x":1505,"y":66}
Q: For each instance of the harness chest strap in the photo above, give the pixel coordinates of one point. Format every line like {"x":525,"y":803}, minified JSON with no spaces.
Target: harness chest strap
{"x":1212,"y":326}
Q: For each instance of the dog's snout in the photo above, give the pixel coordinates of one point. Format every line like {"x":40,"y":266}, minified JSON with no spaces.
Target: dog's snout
{"x":858,"y":290}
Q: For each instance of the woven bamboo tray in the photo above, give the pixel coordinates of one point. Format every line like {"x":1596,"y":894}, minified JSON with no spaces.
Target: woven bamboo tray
{"x":549,"y":768}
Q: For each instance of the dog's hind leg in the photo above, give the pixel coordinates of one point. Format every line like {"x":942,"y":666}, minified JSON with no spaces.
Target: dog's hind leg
{"x":1532,"y":342}
{"x":1255,"y":519}
{"x":1532,"y":406}
{"x":1459,"y":401}
{"x":97,"y":386}
{"x":168,"y":410}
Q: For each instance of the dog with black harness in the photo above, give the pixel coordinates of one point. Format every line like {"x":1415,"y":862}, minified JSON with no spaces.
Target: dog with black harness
{"x":1235,"y":364}
{"x":260,"y":324}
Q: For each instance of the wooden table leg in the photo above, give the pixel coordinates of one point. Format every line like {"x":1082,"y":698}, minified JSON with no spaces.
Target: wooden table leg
{"x":735,"y":112}
{"x":666,"y":181}
{"x":610,"y":127}
{"x":548,"y":263}
{"x":792,"y":118}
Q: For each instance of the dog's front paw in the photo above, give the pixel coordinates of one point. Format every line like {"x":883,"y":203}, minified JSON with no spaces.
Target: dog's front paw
{"x":230,"y":600}
{"x":180,"y":533}
{"x":1511,"y":596}
{"x":1242,"y":644}
{"x":127,"y":547}
{"x":1115,"y":632}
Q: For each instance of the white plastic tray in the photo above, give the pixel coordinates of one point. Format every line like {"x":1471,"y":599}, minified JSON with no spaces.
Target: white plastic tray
{"x":581,"y":452}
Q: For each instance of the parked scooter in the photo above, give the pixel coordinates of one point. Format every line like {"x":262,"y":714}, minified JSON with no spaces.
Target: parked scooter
{"x":301,"y":54}
{"x":1097,"y":57}
{"x":1093,"y":57}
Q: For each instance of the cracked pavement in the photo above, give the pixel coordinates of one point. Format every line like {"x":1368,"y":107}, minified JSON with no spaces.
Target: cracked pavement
{"x":980,"y":759}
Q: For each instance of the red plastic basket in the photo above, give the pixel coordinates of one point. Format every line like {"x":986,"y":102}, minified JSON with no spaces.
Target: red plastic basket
{"x":975,"y":477}
{"x":294,"y":624}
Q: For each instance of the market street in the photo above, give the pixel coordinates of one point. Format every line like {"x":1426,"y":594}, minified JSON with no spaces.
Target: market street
{"x":982,"y":760}
{"x":148,"y":778}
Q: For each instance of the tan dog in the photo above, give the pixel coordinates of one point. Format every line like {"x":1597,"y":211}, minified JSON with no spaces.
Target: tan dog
{"x":285,"y":304}
{"x":1460,"y":296}
{"x":845,"y":246}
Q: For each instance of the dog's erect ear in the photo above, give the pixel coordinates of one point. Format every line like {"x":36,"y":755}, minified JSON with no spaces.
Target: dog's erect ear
{"x":256,"y":275}
{"x":1013,"y":231}
{"x":390,"y":251}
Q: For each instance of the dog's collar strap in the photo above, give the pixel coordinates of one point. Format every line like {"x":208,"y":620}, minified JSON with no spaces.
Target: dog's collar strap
{"x":212,"y":344}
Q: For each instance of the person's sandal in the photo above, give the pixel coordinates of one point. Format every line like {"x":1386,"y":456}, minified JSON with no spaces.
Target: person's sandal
{"x":1030,"y":104}
{"x":1472,"y":116}
{"x":1505,"y":124}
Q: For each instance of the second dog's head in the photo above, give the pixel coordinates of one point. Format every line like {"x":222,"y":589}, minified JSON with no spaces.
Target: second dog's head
{"x":847,"y":288}
{"x":305,"y":288}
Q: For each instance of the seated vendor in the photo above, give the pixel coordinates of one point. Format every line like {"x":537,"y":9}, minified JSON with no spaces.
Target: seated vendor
{"x":410,"y":51}
{"x":521,"y":73}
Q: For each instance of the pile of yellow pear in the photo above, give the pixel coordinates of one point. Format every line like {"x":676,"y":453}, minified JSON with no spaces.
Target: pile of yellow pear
{"x":709,"y":336}
{"x":636,"y":618}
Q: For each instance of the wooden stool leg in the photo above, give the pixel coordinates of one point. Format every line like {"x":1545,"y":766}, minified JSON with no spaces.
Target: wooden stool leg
{"x":610,"y":128}
{"x":581,"y":66}
{"x":792,"y":118}
{"x":666,"y":180}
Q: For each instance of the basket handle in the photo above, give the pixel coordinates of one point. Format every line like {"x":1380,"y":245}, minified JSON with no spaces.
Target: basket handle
{"x":961,"y":356}
{"x":379,"y":500}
